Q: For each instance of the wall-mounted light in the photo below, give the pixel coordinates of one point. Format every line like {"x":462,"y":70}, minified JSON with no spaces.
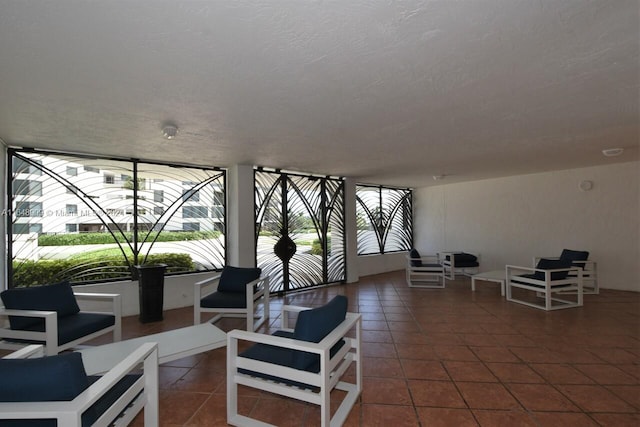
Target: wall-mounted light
{"x":586,"y":185}
{"x":170,"y":131}
{"x":612,"y":152}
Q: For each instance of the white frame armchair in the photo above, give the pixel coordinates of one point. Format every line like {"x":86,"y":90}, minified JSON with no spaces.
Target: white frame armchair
{"x":143,"y":393}
{"x":49,"y":338}
{"x":256,"y":290}
{"x":552,"y":291}
{"x":318,"y":385}
{"x":589,"y":274}
{"x":425,"y":271}
{"x":450,"y":267}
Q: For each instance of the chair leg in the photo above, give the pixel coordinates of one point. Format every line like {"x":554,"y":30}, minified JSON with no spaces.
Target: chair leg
{"x":151,"y":408}
{"x":325,"y":405}
{"x":51,"y":340}
{"x":250,"y":321}
{"x":196,"y":315}
{"x":232,"y":387}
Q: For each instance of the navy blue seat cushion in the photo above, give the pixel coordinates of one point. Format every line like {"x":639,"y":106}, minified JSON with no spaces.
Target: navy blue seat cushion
{"x":312,"y":326}
{"x":71,"y":328}
{"x":573,"y":256}
{"x":548,"y":264}
{"x":413,"y":253}
{"x":224,"y":300}
{"x":57,"y":297}
{"x":235,"y":279}
{"x":284,"y":357}
{"x":464,"y":259}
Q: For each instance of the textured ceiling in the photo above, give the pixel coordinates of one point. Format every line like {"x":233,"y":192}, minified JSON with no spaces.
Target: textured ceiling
{"x":388,"y":92}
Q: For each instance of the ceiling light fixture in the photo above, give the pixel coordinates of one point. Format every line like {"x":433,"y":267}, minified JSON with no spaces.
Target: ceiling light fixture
{"x":170,"y":131}
{"x":612,"y":152}
{"x":438,"y":177}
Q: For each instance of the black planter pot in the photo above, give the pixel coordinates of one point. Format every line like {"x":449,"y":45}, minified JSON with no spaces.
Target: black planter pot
{"x":151,"y":291}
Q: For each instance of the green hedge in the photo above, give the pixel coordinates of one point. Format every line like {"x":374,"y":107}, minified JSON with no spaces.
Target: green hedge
{"x":74,"y":239}
{"x":34,"y":273}
{"x":316,"y":247}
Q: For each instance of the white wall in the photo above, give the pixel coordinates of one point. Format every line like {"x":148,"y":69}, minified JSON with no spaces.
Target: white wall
{"x":178,"y":292}
{"x":375,"y":264}
{"x":511,"y":220}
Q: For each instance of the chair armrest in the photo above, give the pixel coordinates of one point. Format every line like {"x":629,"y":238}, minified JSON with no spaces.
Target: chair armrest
{"x":33,"y":350}
{"x":286,"y":309}
{"x":208,"y":281}
{"x":26,"y":313}
{"x":200,"y":286}
{"x":587,"y":265}
{"x":115,"y":299}
{"x":511,"y":268}
{"x":294,"y":308}
{"x":523,"y":269}
{"x":96,"y":296}
{"x":49,"y":336}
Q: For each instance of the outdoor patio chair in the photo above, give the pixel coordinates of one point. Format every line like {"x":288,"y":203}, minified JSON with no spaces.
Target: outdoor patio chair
{"x":305,"y":363}
{"x":589,"y":268}
{"x":464,"y":263}
{"x":238,"y":292}
{"x":549,"y":281}
{"x":50,"y":315}
{"x":424,"y":271}
{"x":55,"y":390}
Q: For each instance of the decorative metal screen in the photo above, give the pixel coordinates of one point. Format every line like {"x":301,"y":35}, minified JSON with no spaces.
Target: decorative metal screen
{"x":383,"y":219}
{"x":300,"y":229}
{"x":88,"y":219}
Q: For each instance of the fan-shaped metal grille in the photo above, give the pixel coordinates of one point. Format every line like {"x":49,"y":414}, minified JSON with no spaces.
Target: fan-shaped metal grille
{"x":309,"y":211}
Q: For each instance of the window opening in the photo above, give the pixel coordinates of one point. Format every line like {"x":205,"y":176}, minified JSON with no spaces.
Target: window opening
{"x":113,"y":215}
{"x":384,"y":219}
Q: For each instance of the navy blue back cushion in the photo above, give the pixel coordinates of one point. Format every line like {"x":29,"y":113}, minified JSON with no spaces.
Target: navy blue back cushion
{"x":315,"y":324}
{"x":57,"y":297}
{"x":415,"y":254}
{"x":52,"y":378}
{"x":552,"y":264}
{"x":463,"y":259}
{"x":571,"y":255}
{"x":235,"y":279}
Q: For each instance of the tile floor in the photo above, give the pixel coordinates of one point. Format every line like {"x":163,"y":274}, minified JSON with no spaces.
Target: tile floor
{"x":443,"y":357}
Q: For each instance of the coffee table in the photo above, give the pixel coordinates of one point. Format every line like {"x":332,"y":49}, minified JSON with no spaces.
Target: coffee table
{"x":172,"y":345}
{"x":498,"y":276}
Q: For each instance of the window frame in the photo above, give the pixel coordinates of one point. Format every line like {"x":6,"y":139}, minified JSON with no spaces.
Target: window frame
{"x":209,"y":183}
{"x":383,"y":230}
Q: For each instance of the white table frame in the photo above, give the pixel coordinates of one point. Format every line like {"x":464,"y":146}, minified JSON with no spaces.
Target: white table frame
{"x":497,"y":276}
{"x":172,"y":345}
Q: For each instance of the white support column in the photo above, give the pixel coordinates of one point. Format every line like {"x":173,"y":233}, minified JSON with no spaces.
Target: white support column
{"x":241,"y":247}
{"x":4,"y":216}
{"x":351,"y":230}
